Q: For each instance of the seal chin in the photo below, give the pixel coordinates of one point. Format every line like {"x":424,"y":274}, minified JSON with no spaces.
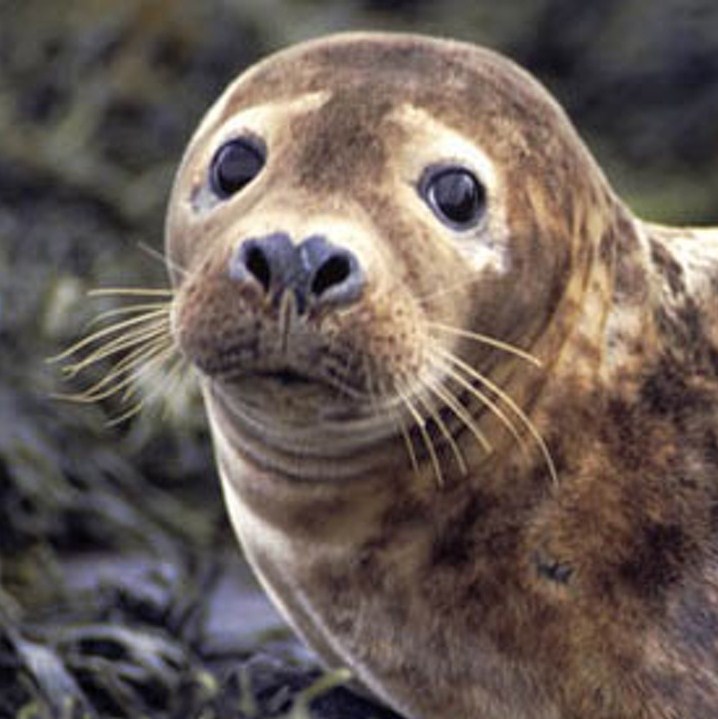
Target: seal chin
{"x":292,"y":396}
{"x":290,"y":390}
{"x":297,"y":426}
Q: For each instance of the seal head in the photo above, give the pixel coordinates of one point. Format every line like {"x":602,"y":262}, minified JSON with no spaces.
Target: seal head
{"x":354,"y":195}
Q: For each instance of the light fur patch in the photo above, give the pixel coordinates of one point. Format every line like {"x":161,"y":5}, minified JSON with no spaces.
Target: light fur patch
{"x":263,"y":117}
{"x":431,"y":142}
{"x":262,"y":121}
{"x":696,"y":250}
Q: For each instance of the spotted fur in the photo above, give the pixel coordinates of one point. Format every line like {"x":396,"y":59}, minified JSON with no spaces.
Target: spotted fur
{"x":500,"y":593}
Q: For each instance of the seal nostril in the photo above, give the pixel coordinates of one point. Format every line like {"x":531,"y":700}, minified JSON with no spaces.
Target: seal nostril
{"x":332,"y":273}
{"x":269,"y":261}
{"x":258,"y":265}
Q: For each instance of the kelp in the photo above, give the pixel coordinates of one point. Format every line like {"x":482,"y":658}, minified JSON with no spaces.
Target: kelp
{"x":142,"y":649}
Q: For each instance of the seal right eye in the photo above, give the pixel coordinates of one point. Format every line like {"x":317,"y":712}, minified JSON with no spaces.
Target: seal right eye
{"x":234,"y":166}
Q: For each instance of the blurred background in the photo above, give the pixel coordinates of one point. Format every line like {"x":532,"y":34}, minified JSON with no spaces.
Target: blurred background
{"x":121,"y":589}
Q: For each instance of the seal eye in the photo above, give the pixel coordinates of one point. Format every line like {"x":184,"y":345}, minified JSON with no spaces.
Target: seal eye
{"x":235,"y":165}
{"x":456,"y":196}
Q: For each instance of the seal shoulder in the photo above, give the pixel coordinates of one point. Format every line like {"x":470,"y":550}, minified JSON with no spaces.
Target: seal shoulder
{"x":686,"y":257}
{"x":685,"y":262}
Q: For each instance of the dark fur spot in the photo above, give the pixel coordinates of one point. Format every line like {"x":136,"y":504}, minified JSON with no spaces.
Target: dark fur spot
{"x":690,"y":318}
{"x":657,"y":559}
{"x":606,"y":247}
{"x":404,"y":513}
{"x":369,"y":571}
{"x":631,"y":284}
{"x":454,"y":544}
{"x":623,"y":432}
{"x":710,"y":447}
{"x":669,"y":268}
{"x":666,"y":392}
{"x":686,"y":340}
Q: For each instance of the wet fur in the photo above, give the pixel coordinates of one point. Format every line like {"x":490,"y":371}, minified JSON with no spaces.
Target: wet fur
{"x":501,"y":593}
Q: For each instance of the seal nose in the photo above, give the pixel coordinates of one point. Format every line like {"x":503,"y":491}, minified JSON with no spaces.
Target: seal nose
{"x":333,"y":275}
{"x":316,"y":271}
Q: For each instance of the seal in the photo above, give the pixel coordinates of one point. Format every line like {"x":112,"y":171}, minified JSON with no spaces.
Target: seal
{"x":464,"y":404}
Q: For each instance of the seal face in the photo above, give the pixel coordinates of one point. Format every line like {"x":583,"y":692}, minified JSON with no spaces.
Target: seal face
{"x":463,"y":402}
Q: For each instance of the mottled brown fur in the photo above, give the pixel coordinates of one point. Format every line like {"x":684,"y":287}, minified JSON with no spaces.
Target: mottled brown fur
{"x":499,"y":594}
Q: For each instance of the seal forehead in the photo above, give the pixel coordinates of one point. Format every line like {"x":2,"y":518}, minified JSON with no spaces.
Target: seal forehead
{"x":474,"y":91}
{"x":430,"y":142}
{"x":346,"y":138}
{"x":255,"y":118}
{"x":449,"y":78}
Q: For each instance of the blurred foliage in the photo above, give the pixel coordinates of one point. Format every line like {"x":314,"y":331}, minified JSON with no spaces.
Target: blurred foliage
{"x":97,"y":100}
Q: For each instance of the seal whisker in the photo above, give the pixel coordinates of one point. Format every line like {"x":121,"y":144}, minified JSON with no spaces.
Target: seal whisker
{"x":454,"y":374}
{"x":162,"y":258}
{"x":135,"y":357}
{"x":487,"y":340}
{"x":110,"y":330}
{"x":119,"y":344}
{"x":508,"y":401}
{"x":374,"y":393}
{"x":129,"y":383}
{"x":447,"y":290}
{"x":131,"y":309}
{"x":436,"y":416}
{"x":132,"y":412}
{"x":154,"y":356}
{"x":131,"y":292}
{"x":463,"y":414}
{"x":426,"y":437}
{"x":395,"y":416}
{"x":169,"y":377}
{"x":399,"y":420}
{"x":144,"y":337}
{"x":157,"y":390}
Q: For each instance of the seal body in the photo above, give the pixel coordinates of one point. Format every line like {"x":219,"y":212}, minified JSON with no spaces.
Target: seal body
{"x":463,"y":402}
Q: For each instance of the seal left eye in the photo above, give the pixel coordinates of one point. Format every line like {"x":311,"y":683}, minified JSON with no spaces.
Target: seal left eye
{"x":456,"y":196}
{"x":234,"y":166}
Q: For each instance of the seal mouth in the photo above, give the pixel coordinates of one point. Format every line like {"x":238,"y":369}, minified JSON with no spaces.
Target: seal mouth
{"x":292,"y":379}
{"x":294,"y":395}
{"x":301,"y":415}
{"x":289,"y":377}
